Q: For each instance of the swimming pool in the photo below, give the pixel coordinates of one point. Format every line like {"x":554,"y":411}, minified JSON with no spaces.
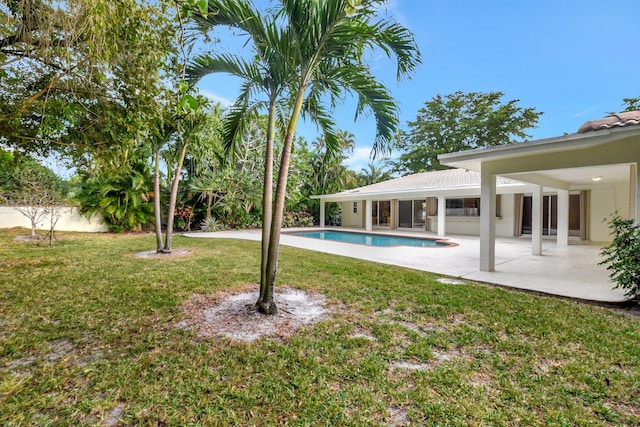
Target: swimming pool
{"x":369,"y":239}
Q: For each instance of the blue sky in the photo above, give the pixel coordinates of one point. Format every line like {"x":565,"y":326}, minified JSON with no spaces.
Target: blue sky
{"x":573,"y":60}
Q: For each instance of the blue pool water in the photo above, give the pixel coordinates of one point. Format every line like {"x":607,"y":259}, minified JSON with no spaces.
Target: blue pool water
{"x":368,"y":238}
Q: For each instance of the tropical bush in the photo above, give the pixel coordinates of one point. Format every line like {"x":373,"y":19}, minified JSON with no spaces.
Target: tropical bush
{"x":183,"y":217}
{"x":123,"y":200}
{"x":297,"y":219}
{"x":622,"y":256}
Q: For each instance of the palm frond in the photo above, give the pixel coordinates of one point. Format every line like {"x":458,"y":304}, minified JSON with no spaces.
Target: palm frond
{"x":375,"y":97}
{"x":241,"y":14}
{"x":204,"y":65}
{"x":234,"y":125}
{"x":315,"y":111}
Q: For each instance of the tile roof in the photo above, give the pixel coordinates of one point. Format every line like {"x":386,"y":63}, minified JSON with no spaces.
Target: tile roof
{"x":630,"y":118}
{"x":449,"y":178}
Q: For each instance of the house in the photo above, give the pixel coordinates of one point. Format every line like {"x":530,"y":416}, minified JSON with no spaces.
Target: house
{"x":564,"y":187}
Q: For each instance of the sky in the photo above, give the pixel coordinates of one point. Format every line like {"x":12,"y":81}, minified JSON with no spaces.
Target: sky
{"x":573,"y":60}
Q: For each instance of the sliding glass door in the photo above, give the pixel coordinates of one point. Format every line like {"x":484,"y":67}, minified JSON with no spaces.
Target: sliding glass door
{"x":412,"y":213}
{"x":577,"y":213}
{"x":405,"y":213}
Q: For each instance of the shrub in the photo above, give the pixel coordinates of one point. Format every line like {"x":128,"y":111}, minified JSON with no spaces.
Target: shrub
{"x":211,"y":224}
{"x":623,"y":255}
{"x":297,"y":219}
{"x":183,"y":217}
{"x":124,"y":201}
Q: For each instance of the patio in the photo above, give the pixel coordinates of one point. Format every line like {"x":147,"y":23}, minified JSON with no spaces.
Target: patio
{"x":569,"y":271}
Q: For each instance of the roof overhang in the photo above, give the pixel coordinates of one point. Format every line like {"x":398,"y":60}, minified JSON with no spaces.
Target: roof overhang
{"x":421,"y":193}
{"x":567,"y":162}
{"x":472,"y":159}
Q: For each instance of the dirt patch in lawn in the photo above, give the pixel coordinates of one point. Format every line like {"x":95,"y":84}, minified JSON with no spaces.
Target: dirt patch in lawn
{"x":28,"y":238}
{"x":175,"y":253}
{"x":235,"y":315}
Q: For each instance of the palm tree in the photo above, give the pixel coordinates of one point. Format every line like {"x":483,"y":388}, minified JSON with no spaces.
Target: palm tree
{"x":327,"y":40}
{"x":314,"y":49}
{"x":267,"y":74}
{"x":329,"y":174}
{"x":373,"y":174}
{"x":173,"y":139}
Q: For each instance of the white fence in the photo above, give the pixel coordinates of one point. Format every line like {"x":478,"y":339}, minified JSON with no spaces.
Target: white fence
{"x":69,"y":220}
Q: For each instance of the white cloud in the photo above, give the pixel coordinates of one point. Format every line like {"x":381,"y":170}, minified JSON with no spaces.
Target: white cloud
{"x":359,"y":156}
{"x":216,"y":98}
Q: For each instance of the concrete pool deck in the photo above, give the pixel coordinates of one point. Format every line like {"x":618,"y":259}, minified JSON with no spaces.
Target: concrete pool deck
{"x":571,"y":271}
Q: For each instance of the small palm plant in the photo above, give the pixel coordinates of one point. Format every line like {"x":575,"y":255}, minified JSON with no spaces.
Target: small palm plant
{"x":211,"y":224}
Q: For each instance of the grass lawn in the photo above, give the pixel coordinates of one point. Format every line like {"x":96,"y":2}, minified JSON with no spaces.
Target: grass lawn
{"x":88,"y":336}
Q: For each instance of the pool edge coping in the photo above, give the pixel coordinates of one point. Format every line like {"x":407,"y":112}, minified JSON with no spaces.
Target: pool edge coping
{"x":444,"y":242}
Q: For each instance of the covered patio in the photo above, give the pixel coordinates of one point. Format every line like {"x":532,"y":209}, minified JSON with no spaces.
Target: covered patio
{"x":569,"y":271}
{"x":601,"y":159}
{"x":540,"y":209}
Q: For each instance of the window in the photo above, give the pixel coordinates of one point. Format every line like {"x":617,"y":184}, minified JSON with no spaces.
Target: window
{"x":463,"y":207}
{"x":381,"y":212}
{"x":384,"y":217}
{"x":469,"y":206}
{"x":355,"y":207}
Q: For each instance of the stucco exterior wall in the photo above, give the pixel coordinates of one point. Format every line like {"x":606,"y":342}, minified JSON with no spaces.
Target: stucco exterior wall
{"x":470,"y":225}
{"x":350,"y":219}
{"x":454,"y":225}
{"x":604,"y":201}
{"x":70,"y":220}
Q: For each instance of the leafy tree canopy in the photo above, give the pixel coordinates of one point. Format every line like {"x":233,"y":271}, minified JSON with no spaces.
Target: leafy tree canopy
{"x":460,"y":121}
{"x":628,"y":104}
{"x":17,"y":169}
{"x":78,"y":75}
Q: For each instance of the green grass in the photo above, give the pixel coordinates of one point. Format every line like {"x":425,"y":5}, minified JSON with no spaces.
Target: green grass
{"x":86,"y":328}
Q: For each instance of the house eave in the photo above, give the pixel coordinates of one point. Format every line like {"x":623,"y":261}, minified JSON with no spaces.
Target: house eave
{"x":466,"y":190}
{"x":471,"y":159}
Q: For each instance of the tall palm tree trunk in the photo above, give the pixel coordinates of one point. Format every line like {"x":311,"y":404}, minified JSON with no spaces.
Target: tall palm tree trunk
{"x":156,"y":201}
{"x":267,"y":303}
{"x":267,"y":199}
{"x":172,"y":201}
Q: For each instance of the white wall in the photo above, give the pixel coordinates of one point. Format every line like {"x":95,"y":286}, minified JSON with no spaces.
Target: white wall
{"x":603,"y":202}
{"x":70,"y":220}
{"x":350,"y":219}
{"x":471,"y":224}
{"x":455,"y":224}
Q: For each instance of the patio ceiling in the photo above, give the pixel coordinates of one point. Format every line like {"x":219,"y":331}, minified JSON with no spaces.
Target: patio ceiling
{"x":576,"y":178}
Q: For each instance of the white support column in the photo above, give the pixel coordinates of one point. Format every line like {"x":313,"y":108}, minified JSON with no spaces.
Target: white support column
{"x":634,"y":192}
{"x":536,"y":221}
{"x":367,"y":213}
{"x":322,"y":214}
{"x":487,"y":221}
{"x":442,"y":216}
{"x":562,"y":233}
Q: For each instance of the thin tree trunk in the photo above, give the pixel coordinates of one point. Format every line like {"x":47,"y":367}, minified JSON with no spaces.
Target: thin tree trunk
{"x":267,"y":200}
{"x":156,"y":201}
{"x":209,"y":204}
{"x":267,"y":304}
{"x":172,"y":201}
{"x":33,"y":227}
